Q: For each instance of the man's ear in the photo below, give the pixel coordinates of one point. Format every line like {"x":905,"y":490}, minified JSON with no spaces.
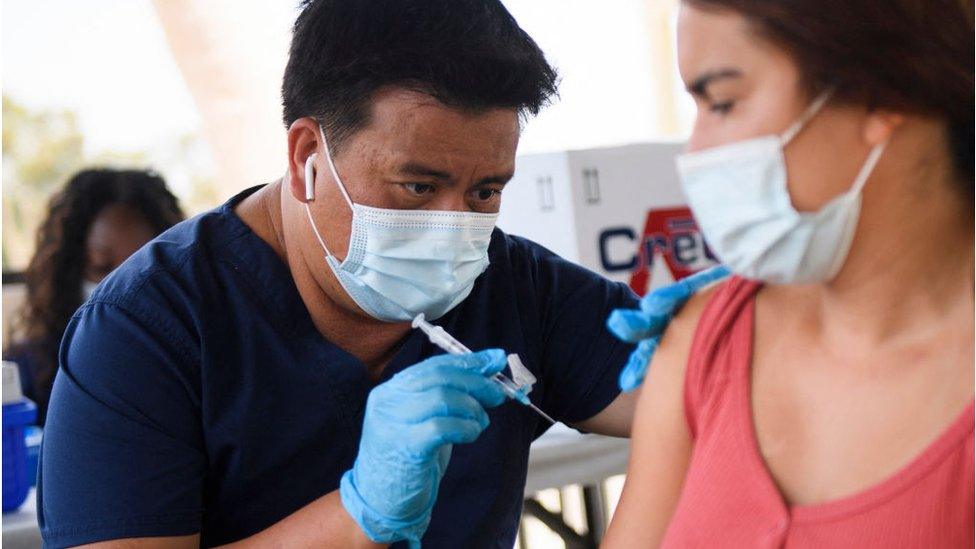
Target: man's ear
{"x":303,"y":141}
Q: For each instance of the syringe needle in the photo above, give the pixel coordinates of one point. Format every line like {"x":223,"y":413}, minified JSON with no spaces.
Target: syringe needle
{"x":541,"y":413}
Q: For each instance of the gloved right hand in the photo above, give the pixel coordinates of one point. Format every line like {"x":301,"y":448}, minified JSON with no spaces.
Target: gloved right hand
{"x":410,"y":425}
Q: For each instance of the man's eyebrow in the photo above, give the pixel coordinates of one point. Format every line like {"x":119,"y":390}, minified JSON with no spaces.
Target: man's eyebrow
{"x":417,"y":169}
{"x":500,"y":179}
{"x":414,"y":168}
{"x":699,"y":86}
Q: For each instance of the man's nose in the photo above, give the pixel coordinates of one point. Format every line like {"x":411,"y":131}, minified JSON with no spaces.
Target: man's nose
{"x":451,"y":199}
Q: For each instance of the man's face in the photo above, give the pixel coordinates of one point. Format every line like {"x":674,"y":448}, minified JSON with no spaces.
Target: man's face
{"x":414,"y":153}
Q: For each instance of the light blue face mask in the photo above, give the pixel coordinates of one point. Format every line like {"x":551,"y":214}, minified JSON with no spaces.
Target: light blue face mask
{"x":402,"y":263}
{"x":740,"y":198}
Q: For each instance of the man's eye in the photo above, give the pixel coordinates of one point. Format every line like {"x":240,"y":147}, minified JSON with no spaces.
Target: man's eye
{"x":487,"y":194}
{"x":721,"y":108}
{"x":419,"y":188}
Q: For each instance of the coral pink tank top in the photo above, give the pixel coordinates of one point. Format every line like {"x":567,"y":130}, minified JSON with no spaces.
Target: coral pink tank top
{"x":729,"y":498}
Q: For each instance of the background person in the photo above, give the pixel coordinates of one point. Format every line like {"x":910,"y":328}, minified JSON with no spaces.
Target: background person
{"x":100,"y":218}
{"x":823,"y":397}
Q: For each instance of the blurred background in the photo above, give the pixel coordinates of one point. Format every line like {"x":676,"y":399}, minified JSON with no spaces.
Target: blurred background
{"x":190,"y":89}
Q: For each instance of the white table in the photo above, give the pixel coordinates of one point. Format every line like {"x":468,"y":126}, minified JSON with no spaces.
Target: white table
{"x":562,"y":457}
{"x":20,"y":529}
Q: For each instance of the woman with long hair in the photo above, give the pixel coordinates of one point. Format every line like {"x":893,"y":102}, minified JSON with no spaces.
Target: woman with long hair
{"x":100,"y":218}
{"x":823,"y":396}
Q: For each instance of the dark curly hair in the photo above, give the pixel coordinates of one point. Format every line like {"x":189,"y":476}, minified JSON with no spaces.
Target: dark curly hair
{"x":55,"y":272}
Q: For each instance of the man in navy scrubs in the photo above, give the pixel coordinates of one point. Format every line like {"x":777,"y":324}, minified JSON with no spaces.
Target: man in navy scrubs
{"x":251,"y":376}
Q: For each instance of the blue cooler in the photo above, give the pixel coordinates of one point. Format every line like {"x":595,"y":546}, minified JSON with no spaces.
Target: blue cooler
{"x":19,"y":413}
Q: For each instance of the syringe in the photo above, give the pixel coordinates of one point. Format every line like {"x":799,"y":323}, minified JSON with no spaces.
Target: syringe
{"x":439,"y":337}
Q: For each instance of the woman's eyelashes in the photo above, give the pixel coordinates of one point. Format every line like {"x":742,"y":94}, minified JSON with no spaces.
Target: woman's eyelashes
{"x":721,"y":107}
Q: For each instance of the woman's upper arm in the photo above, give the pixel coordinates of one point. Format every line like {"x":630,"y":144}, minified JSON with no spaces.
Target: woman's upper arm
{"x":660,"y":441}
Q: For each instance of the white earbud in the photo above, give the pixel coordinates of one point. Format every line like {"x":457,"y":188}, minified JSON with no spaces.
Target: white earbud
{"x":310,"y":177}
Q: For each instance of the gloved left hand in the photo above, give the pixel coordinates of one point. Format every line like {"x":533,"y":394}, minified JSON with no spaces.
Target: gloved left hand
{"x":410,"y":424}
{"x":646,"y":325}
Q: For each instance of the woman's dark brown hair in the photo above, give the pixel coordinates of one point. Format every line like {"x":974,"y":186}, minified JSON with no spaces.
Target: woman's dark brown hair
{"x":55,"y":272}
{"x":905,"y":55}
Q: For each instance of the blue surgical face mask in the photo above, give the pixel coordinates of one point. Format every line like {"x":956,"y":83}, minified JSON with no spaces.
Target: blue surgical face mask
{"x":404,"y":262}
{"x":740,"y":199}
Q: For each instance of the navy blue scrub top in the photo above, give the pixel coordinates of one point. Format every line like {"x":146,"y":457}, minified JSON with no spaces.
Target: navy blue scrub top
{"x":195,"y":394}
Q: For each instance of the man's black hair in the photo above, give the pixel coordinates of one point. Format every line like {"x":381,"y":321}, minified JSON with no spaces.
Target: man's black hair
{"x":467,"y":54}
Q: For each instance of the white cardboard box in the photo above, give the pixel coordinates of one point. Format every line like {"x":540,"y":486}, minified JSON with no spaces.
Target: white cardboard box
{"x":609,"y":210}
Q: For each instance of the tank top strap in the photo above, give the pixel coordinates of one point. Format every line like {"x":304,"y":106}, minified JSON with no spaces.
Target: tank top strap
{"x":715,"y":348}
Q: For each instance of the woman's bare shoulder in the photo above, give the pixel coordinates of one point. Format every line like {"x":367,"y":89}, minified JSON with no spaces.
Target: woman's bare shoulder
{"x":676,"y":342}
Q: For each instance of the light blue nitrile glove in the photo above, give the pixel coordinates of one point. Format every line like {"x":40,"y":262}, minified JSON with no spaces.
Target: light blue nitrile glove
{"x":410,"y":425}
{"x":644,"y":326}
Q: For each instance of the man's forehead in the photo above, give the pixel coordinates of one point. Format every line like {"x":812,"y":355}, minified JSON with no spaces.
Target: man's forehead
{"x":401,"y":107}
{"x":406,"y":124}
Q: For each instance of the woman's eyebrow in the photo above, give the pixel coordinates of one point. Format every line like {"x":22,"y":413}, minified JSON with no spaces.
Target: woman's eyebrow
{"x":698,"y":87}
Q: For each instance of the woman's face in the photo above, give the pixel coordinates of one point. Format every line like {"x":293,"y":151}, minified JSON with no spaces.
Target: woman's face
{"x":745,"y":87}
{"x":117,"y":232}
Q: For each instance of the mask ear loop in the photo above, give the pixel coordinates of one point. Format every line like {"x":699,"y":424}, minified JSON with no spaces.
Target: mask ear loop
{"x":332,"y":168}
{"x":873,"y":157}
{"x":309,"y":186}
{"x":309,"y":196}
{"x":862,"y":176}
{"x":811,"y":111}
